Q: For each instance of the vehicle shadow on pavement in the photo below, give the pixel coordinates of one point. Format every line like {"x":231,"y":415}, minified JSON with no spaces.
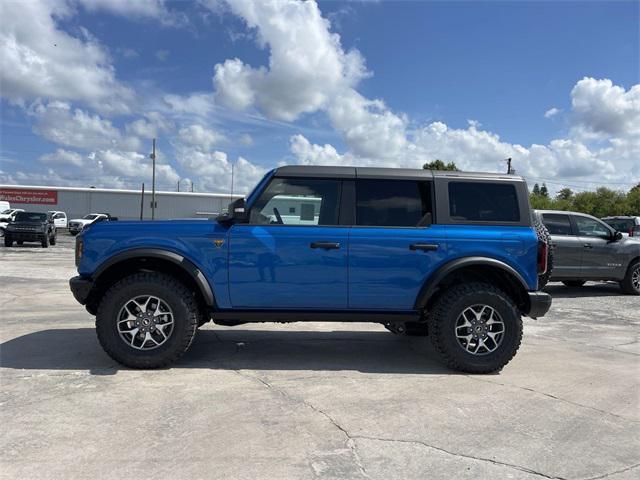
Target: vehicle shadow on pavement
{"x":591,"y":289}
{"x":364,"y":351}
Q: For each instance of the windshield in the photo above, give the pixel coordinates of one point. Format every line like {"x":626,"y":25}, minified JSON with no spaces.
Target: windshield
{"x":8,"y":210}
{"x":31,"y":217}
{"x":91,"y":216}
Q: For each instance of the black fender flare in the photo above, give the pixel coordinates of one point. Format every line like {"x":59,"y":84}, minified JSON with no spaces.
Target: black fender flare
{"x":184,"y":263}
{"x":430,"y":286}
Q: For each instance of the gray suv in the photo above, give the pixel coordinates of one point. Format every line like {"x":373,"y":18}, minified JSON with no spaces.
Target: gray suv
{"x":586,"y":248}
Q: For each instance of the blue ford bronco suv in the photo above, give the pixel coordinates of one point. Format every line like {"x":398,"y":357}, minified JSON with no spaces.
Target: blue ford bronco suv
{"x":451,"y":255}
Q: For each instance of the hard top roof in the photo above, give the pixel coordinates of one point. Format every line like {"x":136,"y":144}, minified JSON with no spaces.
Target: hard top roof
{"x":389,"y":173}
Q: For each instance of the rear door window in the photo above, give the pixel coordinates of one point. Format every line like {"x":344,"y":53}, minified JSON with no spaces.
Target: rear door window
{"x":483,"y":202}
{"x":392,"y":203}
{"x":557,"y":224}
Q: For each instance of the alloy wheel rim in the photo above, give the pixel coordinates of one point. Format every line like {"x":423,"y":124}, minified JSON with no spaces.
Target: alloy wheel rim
{"x":479,"y":329}
{"x":635,"y":278}
{"x":145,"y":322}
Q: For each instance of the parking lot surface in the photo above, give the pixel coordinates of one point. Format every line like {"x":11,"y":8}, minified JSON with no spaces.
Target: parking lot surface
{"x":312,"y":400}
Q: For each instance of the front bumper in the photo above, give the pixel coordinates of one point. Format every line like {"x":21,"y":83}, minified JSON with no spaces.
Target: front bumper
{"x":81,"y":288}
{"x":25,"y":236}
{"x":539,"y":304}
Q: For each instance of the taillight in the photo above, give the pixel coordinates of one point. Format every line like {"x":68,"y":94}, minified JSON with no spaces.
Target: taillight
{"x":543,"y":251}
{"x":631,"y":232}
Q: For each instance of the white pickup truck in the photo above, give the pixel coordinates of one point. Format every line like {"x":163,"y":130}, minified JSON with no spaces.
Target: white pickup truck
{"x":77,"y":224}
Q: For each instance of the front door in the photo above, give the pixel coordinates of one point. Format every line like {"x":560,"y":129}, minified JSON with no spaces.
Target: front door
{"x":292,"y":254}
{"x":600,"y":259}
{"x":393,"y":248}
{"x":567,"y":245}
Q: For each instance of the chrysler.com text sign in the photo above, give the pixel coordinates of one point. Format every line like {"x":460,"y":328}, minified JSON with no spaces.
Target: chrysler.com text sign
{"x":31,"y":196}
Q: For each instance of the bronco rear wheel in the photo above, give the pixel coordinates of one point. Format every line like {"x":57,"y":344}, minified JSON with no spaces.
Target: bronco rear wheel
{"x":147,"y":320}
{"x":475,"y":328}
{"x":631,"y":282}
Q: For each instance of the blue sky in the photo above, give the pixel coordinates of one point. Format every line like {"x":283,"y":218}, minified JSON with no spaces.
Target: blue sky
{"x":552,"y":84}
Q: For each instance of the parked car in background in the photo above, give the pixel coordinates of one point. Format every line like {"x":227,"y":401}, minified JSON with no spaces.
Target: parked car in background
{"x":9,"y":214}
{"x":586,"y":248}
{"x":78,"y":224}
{"x":31,"y":227}
{"x":627,"y":225}
{"x":59,"y":218}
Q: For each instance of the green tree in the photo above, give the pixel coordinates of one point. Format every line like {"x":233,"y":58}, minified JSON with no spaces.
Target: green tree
{"x":438,"y":164}
{"x":564,"y":194}
{"x":536,"y":189}
{"x":544,"y":192}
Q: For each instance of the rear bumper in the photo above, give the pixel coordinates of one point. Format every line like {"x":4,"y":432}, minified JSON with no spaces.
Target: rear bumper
{"x":539,"y":304}
{"x":81,"y":288}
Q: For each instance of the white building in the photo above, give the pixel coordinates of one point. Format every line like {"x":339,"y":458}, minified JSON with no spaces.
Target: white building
{"x":124,"y":204}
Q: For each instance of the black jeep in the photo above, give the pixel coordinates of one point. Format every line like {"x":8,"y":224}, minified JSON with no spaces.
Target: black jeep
{"x":31,"y":227}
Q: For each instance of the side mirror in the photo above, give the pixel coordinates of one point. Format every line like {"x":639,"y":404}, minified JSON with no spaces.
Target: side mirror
{"x":617,"y":236}
{"x":237,"y":213}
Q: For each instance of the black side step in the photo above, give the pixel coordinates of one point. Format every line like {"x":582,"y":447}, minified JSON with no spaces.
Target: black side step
{"x":256,"y":316}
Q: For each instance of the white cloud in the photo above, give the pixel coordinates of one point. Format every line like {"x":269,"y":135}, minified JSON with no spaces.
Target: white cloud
{"x":199,"y":137}
{"x":151,"y":126}
{"x":307,"y":65}
{"x":603,"y":109}
{"x":198,"y":104}
{"x":310,"y":154}
{"x":153,"y":9}
{"x":63,"y":157}
{"x":552,"y":112}
{"x":37,"y":59}
{"x":64,"y":125}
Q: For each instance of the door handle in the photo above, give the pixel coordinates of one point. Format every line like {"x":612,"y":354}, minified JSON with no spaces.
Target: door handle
{"x":426,"y":247}
{"x":588,"y":245}
{"x":325,"y":245}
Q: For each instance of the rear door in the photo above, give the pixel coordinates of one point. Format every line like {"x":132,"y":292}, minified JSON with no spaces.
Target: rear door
{"x":568,"y":247}
{"x":292,"y":254}
{"x":390,"y":253}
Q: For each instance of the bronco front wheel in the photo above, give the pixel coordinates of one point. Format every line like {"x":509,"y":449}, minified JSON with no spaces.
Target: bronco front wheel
{"x":475,"y":328}
{"x":147,"y":320}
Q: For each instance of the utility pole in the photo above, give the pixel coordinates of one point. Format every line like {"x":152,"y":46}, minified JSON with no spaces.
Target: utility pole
{"x":232,"y":167}
{"x":142,"y":203}
{"x":509,"y":170}
{"x":191,"y":185}
{"x":153,"y":181}
{"x":179,"y":184}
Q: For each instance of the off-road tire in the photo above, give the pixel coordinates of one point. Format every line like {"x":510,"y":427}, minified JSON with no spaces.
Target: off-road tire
{"x":574,"y":283}
{"x":53,"y":240}
{"x":543,"y":235}
{"x":442,"y":320}
{"x":185,"y":316}
{"x":627,"y":283}
{"x":45,"y":241}
{"x":8,"y":241}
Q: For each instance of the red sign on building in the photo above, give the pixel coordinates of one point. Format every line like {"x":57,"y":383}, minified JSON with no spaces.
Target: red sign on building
{"x":29,"y":195}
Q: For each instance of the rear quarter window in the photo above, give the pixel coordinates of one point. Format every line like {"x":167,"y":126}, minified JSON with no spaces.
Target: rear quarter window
{"x":483,"y":202}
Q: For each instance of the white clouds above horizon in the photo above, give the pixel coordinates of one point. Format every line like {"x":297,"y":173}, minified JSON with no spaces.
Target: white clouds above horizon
{"x":74,"y":99}
{"x":38,"y":59}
